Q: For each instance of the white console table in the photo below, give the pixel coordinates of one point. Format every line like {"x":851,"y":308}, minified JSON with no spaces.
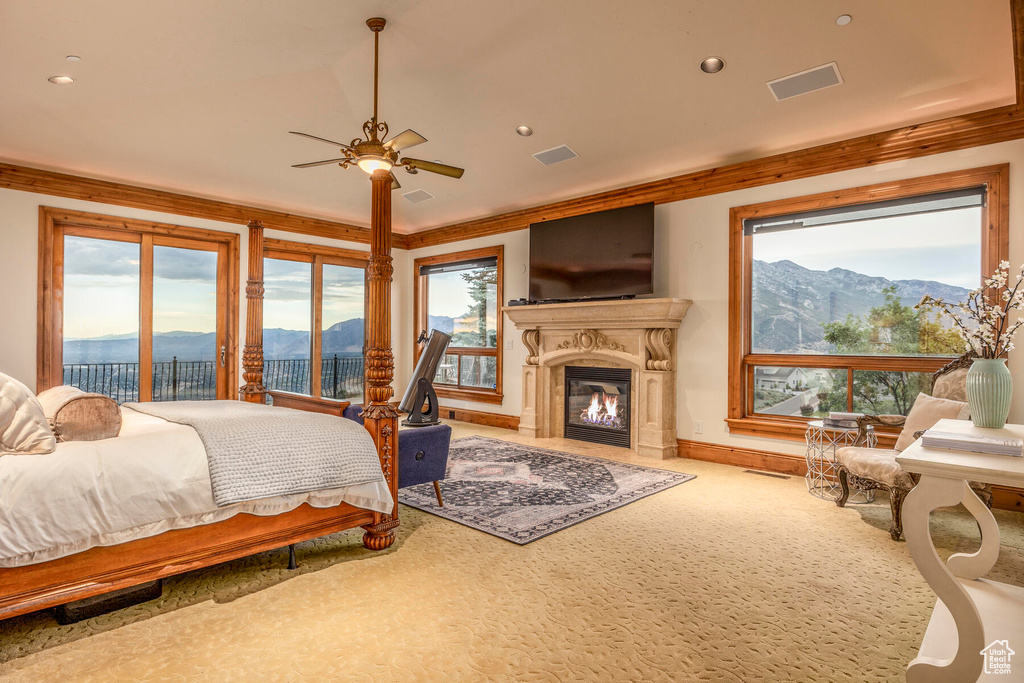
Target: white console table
{"x":971,"y":612}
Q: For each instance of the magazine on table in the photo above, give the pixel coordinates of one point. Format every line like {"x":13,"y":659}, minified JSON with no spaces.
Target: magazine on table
{"x":836,"y":420}
{"x":994,"y":445}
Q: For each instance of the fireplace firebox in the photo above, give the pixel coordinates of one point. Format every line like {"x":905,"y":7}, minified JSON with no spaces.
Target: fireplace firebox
{"x":597,"y":405}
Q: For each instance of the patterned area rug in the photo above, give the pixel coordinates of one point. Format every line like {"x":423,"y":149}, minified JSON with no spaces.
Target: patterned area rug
{"x":521,"y":493}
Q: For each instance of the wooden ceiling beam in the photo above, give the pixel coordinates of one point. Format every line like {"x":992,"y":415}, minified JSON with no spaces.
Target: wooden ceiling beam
{"x":946,"y":135}
{"x":106,"y":192}
{"x":909,"y":142}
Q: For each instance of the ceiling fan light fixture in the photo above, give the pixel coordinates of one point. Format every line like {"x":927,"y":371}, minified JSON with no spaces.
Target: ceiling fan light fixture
{"x":371,"y":164}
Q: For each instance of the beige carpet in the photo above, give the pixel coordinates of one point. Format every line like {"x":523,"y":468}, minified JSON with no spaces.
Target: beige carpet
{"x":732,"y":577}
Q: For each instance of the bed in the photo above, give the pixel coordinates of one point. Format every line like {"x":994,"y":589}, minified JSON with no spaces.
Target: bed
{"x":56,"y":566}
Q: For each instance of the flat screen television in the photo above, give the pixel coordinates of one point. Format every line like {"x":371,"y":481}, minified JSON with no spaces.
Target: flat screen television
{"x":603,"y":255}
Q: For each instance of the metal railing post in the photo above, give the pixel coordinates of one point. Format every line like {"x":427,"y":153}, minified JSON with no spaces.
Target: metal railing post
{"x":174,"y":378}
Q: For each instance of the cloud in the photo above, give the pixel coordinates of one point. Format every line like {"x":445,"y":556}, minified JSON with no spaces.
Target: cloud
{"x":87,"y":256}
{"x":192,"y":265}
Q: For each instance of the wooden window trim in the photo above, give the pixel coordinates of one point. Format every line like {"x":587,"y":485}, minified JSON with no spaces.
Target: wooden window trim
{"x":317,"y":256}
{"x":995,"y":245}
{"x":420,"y":294}
{"x":55,"y":223}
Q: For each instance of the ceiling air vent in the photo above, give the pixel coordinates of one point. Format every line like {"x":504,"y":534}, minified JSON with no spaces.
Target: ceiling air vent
{"x":818,"y":78}
{"x":554,"y":155}
{"x":417,"y":196}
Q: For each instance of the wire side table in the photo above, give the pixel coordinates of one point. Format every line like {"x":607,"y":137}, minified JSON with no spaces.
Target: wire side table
{"x":822,"y":470}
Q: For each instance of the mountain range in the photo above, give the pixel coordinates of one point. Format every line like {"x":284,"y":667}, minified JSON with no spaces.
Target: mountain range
{"x":344,"y":339}
{"x":790,"y":302}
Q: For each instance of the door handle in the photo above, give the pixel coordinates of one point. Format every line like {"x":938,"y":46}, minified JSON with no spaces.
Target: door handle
{"x":223,"y":355}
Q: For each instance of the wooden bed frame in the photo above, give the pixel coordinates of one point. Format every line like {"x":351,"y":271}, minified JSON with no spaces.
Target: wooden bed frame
{"x":104,"y":569}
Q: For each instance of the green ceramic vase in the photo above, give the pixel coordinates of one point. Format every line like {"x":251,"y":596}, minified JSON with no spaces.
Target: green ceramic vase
{"x":989,"y":389}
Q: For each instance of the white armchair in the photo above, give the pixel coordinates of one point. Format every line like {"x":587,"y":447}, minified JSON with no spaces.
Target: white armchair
{"x":876,"y":468}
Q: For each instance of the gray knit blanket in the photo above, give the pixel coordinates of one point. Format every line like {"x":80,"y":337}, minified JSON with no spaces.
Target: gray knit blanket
{"x":257,"y":451}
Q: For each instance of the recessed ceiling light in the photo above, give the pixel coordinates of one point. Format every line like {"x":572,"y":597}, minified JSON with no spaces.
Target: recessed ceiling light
{"x":843,"y":19}
{"x":73,"y":58}
{"x":525,"y":131}
{"x":61,"y":80}
{"x":712,"y":65}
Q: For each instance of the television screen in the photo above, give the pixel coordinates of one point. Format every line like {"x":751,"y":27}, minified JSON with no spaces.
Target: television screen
{"x":607,"y":254}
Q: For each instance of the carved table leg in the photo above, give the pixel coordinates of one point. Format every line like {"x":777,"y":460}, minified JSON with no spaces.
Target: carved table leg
{"x":930,"y":493}
{"x":976,"y":565}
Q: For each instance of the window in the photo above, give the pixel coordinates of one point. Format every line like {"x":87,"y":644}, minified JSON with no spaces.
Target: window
{"x":460,"y":294}
{"x":313,"y":319}
{"x":823,"y":290}
{"x":148,"y":311}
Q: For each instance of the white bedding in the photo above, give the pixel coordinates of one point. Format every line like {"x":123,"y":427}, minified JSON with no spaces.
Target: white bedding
{"x":151,"y":478}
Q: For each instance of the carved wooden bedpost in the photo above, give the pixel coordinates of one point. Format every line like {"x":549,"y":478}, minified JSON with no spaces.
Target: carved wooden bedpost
{"x":380,"y":417}
{"x":253,"y":390}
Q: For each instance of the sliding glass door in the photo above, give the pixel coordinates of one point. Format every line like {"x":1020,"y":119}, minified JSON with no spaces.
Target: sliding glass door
{"x":101,"y":316}
{"x":313,"y":320}
{"x":141,"y":314}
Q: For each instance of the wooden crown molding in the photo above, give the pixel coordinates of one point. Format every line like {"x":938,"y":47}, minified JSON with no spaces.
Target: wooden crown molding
{"x":909,"y":142}
{"x":28,"y":179}
{"x":950,"y":134}
{"x":946,"y":135}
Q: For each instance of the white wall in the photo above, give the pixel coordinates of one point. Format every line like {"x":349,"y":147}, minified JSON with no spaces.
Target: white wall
{"x":19,"y":239}
{"x":692,"y":262}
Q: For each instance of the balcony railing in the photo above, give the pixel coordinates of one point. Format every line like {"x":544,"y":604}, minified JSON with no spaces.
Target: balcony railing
{"x":119,"y":381}
{"x":340,"y":376}
{"x":196,"y":380}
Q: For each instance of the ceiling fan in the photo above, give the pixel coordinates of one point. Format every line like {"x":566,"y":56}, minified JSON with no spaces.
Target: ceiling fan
{"x":370,"y":153}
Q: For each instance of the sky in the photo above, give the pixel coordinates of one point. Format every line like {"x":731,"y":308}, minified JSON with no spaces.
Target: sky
{"x":101,"y":288}
{"x":288,"y":285}
{"x":943,"y":246}
{"x":449,"y":296}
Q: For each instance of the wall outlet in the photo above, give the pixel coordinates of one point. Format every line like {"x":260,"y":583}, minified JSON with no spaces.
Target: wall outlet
{"x":698,"y":426}
{"x":508,"y":344}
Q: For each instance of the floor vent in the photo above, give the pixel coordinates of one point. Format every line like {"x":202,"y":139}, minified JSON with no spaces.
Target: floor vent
{"x":555,"y":154}
{"x":818,"y":78}
{"x":768,"y":474}
{"x":417,"y":196}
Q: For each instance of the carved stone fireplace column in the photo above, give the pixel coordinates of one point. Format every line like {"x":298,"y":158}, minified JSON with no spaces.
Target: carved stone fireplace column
{"x":636,"y":334}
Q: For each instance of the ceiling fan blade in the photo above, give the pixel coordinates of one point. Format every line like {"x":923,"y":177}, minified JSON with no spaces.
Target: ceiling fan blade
{"x":319,"y":163}
{"x":313,"y":137}
{"x":405,"y":140}
{"x":433,"y":167}
{"x":394,"y":182}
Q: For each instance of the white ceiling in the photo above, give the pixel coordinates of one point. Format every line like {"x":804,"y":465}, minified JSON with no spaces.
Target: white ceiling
{"x":197,"y":96}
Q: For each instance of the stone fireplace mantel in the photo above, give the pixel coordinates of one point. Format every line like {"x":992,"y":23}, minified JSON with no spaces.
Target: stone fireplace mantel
{"x":638,"y":334}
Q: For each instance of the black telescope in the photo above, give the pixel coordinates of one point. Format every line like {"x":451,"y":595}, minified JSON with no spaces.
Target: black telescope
{"x":421,"y":388}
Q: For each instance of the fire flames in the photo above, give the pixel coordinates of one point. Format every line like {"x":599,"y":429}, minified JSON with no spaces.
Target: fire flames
{"x":603,"y":410}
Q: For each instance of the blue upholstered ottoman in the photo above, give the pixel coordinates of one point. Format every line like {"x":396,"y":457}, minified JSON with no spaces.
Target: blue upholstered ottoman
{"x":422,"y":453}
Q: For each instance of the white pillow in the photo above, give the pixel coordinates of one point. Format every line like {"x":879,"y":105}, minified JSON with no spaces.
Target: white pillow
{"x":926,"y":411}
{"x":23,"y":426}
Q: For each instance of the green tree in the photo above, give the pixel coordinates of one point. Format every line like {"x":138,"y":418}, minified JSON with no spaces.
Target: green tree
{"x":479,"y":281}
{"x":890,"y":329}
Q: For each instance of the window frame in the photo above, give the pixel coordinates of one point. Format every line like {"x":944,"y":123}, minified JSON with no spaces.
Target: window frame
{"x":741,"y":418}
{"x":420,"y":316}
{"x":55,"y":224}
{"x":318,"y":256}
